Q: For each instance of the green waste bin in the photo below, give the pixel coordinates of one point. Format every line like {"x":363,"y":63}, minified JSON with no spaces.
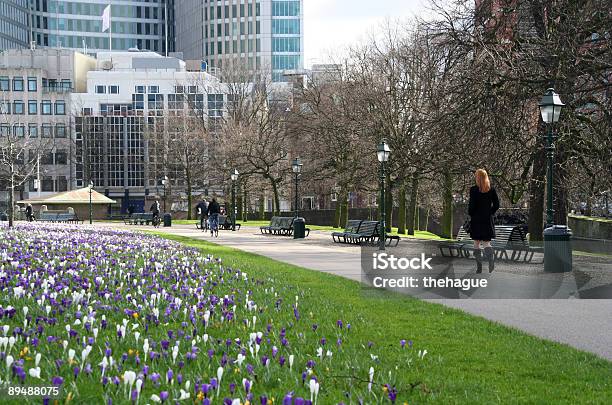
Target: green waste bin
{"x":557,"y":249}
{"x":167,"y":220}
{"x":299,"y":228}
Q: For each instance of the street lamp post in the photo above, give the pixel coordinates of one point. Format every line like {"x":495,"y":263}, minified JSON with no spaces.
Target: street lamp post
{"x":550,"y":109}
{"x":234,"y":177}
{"x":557,"y":238}
{"x":91,"y":186}
{"x":164,"y":183}
{"x":383,"y":152}
{"x":296,"y":166}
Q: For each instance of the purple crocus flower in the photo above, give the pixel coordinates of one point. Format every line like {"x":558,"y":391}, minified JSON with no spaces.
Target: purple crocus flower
{"x":164,"y":396}
{"x":403,"y":343}
{"x":288,"y":399}
{"x":339,"y":323}
{"x":263,"y":400}
{"x":57,"y":381}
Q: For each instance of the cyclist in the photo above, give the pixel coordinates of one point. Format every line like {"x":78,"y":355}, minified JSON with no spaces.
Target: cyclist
{"x":201,"y":210}
{"x":213,"y":217}
{"x":155,"y":211}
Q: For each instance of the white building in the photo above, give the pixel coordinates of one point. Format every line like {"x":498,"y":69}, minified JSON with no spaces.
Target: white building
{"x":129,"y":95}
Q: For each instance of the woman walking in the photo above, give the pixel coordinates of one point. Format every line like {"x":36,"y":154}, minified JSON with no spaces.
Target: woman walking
{"x":213,"y":212}
{"x":484,"y":202}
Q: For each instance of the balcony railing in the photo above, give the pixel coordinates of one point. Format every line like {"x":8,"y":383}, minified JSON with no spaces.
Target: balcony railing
{"x":56,"y":89}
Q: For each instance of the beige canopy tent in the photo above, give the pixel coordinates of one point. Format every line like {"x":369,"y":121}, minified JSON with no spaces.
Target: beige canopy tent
{"x":78,"y":200}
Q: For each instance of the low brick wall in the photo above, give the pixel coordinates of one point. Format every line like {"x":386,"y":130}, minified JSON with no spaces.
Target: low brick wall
{"x":587,"y":228}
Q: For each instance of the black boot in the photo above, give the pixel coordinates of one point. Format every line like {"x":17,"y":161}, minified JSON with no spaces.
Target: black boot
{"x":478,"y":257}
{"x":490,"y":256}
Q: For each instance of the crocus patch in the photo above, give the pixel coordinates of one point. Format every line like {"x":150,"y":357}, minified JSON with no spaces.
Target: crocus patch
{"x":122,"y":317}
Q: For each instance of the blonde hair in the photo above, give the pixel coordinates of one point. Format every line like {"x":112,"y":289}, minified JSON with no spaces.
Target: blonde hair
{"x":482,"y":181}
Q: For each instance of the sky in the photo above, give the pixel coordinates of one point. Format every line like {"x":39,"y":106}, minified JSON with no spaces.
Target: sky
{"x":331,"y":25}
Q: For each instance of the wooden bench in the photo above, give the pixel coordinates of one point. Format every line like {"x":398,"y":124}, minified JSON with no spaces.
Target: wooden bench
{"x":352,"y":227}
{"x":225,"y":222}
{"x":508,"y":239}
{"x":66,"y":217}
{"x":280,"y":226}
{"x":139,"y":218}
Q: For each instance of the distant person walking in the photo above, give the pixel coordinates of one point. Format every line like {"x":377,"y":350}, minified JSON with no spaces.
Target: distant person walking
{"x":484,"y":203}
{"x":213,"y":212}
{"x":29,"y":213}
{"x":201,"y":209}
{"x":155,"y":210}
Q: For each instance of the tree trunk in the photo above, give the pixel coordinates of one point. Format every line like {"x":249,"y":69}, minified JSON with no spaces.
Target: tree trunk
{"x":447,"y":205}
{"x":401,"y":218}
{"x":413,"y":211}
{"x":337,"y":213}
{"x":11,"y":203}
{"x":262,"y":207}
{"x":276,"y":207}
{"x":388,"y":204}
{"x":537,"y":187}
{"x":245,"y":204}
{"x":343,"y":208}
{"x":560,"y":191}
{"x":189,"y":191}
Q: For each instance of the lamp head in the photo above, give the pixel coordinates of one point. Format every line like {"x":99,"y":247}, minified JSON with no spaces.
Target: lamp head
{"x":296,"y":165}
{"x":550,"y":106}
{"x":383,"y":151}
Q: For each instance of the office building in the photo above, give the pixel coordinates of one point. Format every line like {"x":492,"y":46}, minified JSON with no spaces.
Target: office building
{"x":14,"y":31}
{"x":122,"y":124}
{"x":142,"y":24}
{"x":35,"y":97}
{"x":230,"y":35}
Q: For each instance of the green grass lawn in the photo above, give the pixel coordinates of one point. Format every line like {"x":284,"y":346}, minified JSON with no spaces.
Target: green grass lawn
{"x":469,"y":359}
{"x":597,"y":219}
{"x":258,"y":223}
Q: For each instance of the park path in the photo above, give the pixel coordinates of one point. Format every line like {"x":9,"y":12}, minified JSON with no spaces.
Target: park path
{"x":583,"y":324}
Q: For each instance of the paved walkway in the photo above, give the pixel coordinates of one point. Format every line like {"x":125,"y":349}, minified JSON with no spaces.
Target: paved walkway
{"x":583,"y":324}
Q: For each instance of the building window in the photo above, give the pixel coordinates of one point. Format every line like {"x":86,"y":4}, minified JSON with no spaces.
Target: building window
{"x":179,"y":89}
{"x":17,"y":83}
{"x":33,"y":130}
{"x":47,"y":131}
{"x":154,"y":89}
{"x":5,"y":107}
{"x":61,"y":157}
{"x":60,"y":108}
{"x":87,"y":110}
{"x":62,"y":183}
{"x":5,"y":130}
{"x":140,"y":89}
{"x":138,"y":101}
{"x":192,"y":89}
{"x":4,"y":83}
{"x":45,"y":107}
{"x":18,"y":107}
{"x":19,"y":131}
{"x":60,"y":131}
{"x":32,"y":107}
{"x":32,"y":84}
{"x":100,"y":89}
{"x":113,"y":89}
{"x":46,"y":158}
{"x":47,"y":183}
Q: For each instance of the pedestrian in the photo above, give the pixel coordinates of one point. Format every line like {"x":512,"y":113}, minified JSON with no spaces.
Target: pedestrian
{"x":483,"y":204}
{"x":213,"y":212}
{"x":155,"y":210}
{"x":29,"y":213}
{"x":201,"y":209}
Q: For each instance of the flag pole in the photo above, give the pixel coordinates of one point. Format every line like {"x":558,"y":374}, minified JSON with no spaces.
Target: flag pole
{"x":110,"y":28}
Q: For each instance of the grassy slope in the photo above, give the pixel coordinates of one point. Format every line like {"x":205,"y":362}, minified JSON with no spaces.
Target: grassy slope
{"x":256,"y":224}
{"x":472,"y":360}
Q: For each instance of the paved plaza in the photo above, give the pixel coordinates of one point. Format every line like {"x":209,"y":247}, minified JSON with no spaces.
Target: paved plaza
{"x":582,"y":323}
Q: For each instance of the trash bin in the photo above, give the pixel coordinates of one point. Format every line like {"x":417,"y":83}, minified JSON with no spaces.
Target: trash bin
{"x":299,"y":228}
{"x":557,"y":249}
{"x":167,"y":220}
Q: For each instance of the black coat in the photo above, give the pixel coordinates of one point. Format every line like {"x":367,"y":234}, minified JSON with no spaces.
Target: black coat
{"x":481,"y":209}
{"x":213,"y":208}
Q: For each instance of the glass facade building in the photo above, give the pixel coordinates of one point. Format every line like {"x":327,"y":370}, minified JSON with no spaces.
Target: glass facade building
{"x":254,"y":35}
{"x":14,"y":31}
{"x":78,"y":24}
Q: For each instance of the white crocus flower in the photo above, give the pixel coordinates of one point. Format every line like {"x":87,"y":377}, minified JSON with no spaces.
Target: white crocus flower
{"x":371,"y":379}
{"x":155,"y":399}
{"x":34,"y":372}
{"x":291,"y":358}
